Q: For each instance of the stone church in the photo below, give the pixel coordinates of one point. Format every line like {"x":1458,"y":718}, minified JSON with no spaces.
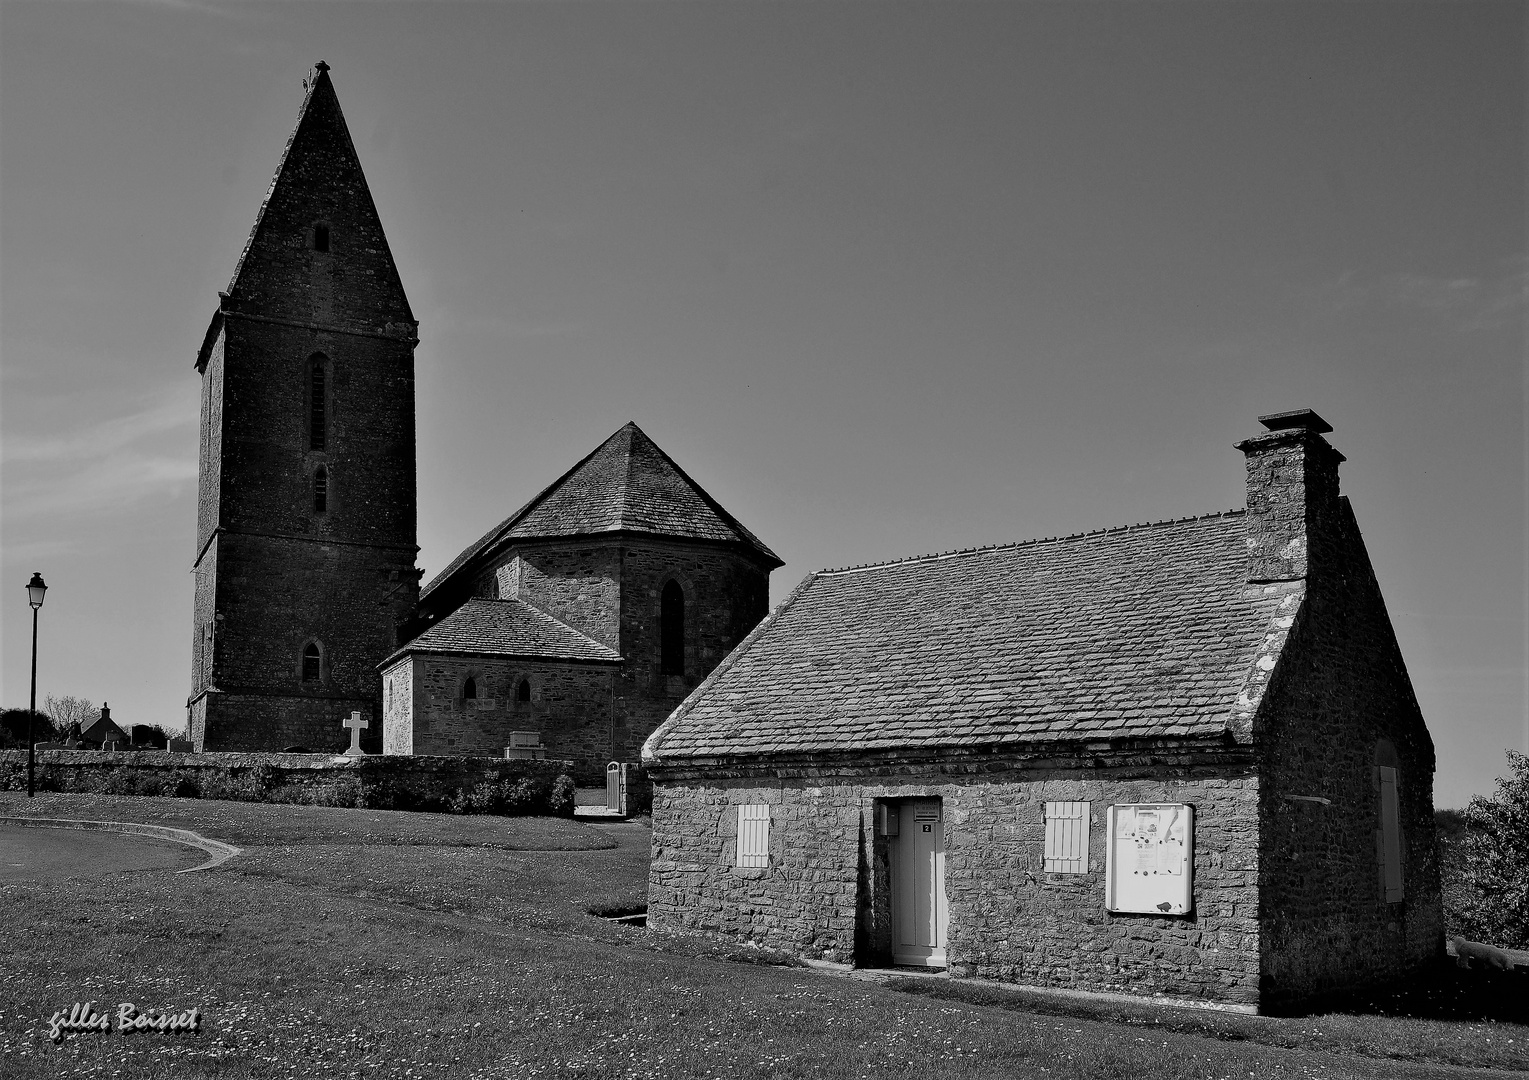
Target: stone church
{"x":571,"y":629}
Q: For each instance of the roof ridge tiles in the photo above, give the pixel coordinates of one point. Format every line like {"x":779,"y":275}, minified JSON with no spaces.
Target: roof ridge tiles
{"x":985,"y":549}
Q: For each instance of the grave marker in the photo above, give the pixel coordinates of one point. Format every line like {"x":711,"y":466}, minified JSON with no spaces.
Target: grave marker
{"x":356,"y":724}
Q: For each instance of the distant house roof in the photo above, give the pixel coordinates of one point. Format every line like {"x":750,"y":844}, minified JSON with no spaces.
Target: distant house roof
{"x":507,"y":628}
{"x":626,"y":485}
{"x":1143,"y":631}
{"x":102,"y":729}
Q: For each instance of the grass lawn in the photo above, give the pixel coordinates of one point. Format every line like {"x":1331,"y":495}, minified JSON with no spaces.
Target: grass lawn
{"x":363,"y":943}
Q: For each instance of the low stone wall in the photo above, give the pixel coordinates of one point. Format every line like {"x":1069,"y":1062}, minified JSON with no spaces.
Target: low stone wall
{"x":441,"y":784}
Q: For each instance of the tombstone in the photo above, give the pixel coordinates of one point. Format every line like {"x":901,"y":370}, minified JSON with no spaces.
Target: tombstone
{"x":356,"y":725}
{"x":525,"y":745}
{"x":179,"y":745}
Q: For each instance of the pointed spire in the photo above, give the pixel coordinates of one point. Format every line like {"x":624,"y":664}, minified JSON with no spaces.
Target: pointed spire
{"x":317,"y":253}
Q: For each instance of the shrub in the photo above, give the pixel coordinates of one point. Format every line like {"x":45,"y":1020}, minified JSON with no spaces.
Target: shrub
{"x":523,"y":796}
{"x":560,"y":799}
{"x":1489,"y":893}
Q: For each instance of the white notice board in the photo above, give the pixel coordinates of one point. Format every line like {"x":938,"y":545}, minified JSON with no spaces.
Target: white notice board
{"x":1149,"y":862}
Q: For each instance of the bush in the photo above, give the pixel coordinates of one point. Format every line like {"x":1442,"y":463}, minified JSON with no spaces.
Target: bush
{"x":560,"y":799}
{"x":1487,"y":896}
{"x":13,"y":728}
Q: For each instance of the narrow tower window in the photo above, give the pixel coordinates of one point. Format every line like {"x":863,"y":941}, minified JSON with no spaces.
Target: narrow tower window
{"x":320,"y":490}
{"x":523,"y":691}
{"x":321,"y":238}
{"x":317,"y":418}
{"x":672,"y":630}
{"x":470,"y":689}
{"x":312,"y":662}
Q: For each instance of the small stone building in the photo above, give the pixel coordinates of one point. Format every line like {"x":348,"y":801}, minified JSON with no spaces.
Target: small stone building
{"x":1180,"y":759}
{"x":102,"y":732}
{"x":582,"y":620}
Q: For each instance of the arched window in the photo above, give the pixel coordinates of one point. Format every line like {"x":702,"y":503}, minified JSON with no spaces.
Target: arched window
{"x":313,"y":662}
{"x":523,"y":691}
{"x":318,"y":403}
{"x":320,"y":490}
{"x":470,"y":689}
{"x":672,"y":630}
{"x":321,"y":237}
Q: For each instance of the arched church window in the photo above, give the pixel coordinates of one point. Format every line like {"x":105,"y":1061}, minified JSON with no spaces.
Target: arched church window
{"x":320,"y":490}
{"x":313,"y":662}
{"x":672,"y":630}
{"x":470,"y":689}
{"x":321,"y":237}
{"x":318,"y":403}
{"x":523,"y":691}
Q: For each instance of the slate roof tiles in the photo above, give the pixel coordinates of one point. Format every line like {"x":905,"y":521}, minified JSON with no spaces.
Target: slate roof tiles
{"x":626,"y":485}
{"x":1144,"y":631}
{"x":507,"y":628}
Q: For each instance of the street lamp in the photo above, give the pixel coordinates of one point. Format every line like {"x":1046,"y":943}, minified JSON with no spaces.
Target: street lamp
{"x":36,"y":590}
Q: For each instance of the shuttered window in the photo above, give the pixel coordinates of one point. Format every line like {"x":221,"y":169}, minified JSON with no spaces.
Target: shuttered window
{"x":1390,"y":836}
{"x":754,"y":835}
{"x":1066,"y":837}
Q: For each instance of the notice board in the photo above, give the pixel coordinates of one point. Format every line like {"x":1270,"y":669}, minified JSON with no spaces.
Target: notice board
{"x":1149,"y":862}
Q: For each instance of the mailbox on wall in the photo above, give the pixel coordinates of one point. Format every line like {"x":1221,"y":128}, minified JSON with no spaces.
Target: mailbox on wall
{"x":1149,"y":863}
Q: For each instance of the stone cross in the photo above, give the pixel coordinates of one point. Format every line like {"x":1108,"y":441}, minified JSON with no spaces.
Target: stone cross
{"x":356,"y":724}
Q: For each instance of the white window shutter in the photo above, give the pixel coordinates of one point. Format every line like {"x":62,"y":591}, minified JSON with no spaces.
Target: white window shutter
{"x":754,"y":835}
{"x":1066,"y":838}
{"x":1390,"y":834}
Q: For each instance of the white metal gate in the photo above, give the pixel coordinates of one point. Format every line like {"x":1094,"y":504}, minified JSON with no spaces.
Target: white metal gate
{"x":615,"y":787}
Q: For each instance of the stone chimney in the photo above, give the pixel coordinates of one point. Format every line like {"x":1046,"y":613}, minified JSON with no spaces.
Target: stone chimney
{"x":1292,"y":496}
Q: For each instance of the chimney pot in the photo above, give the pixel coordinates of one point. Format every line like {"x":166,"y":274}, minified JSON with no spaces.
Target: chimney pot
{"x":1296,"y":420}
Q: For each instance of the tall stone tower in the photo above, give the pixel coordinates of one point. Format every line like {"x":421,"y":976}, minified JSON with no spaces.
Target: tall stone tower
{"x":306,"y":501}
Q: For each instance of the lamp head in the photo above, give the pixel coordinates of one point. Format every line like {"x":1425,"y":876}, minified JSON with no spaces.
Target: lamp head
{"x":36,"y":588}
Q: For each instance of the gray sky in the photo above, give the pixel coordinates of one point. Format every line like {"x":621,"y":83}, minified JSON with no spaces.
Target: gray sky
{"x":884,"y":278}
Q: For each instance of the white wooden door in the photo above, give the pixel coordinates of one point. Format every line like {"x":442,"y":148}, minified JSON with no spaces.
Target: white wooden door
{"x":919,"y":913}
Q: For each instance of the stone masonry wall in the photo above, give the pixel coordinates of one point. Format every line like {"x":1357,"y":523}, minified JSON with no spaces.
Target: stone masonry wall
{"x":570,"y":706}
{"x":381,"y":782}
{"x":273,"y":596}
{"x":1340,"y":703}
{"x":399,"y":706}
{"x":1009,"y":919}
{"x":576,"y":583}
{"x":611,"y":592}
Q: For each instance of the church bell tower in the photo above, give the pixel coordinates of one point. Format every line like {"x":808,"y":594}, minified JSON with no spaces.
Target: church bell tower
{"x":306,"y":496}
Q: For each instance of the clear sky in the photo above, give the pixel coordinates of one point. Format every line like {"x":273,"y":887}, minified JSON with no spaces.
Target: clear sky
{"x":884,"y":278}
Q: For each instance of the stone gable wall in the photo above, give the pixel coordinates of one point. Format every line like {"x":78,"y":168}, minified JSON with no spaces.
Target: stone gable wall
{"x":824,"y":893}
{"x":1338,"y":703}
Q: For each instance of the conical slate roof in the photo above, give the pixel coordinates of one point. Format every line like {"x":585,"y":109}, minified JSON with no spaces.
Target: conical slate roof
{"x":627,"y":485}
{"x":319,"y":181}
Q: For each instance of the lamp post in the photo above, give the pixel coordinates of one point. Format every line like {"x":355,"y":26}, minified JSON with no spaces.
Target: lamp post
{"x":36,"y":590}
